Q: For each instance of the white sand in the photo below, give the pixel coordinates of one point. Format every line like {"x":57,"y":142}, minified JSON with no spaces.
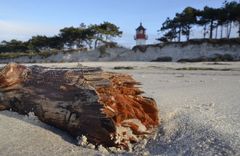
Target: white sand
{"x":200,"y":112}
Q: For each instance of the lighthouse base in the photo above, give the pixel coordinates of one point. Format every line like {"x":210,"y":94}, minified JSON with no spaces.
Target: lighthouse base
{"x":140,"y":42}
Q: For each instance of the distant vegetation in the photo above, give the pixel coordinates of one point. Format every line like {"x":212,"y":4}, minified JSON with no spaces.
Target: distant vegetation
{"x":204,"y":68}
{"x":82,"y":37}
{"x":213,"y":21}
{"x":210,"y":19}
{"x":123,"y":68}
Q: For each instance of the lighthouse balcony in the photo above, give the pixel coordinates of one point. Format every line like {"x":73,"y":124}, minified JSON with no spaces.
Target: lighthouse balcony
{"x":140,"y":36}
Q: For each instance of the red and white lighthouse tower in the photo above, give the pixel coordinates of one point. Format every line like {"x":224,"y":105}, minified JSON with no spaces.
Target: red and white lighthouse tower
{"x":140,"y":36}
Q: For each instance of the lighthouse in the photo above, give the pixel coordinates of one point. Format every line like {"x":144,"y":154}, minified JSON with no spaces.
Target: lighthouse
{"x":140,"y":36}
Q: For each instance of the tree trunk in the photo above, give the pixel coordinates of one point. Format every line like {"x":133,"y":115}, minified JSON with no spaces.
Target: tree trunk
{"x":221,"y":31}
{"x":188,"y":38}
{"x":179,"y":35}
{"x":229,"y":30}
{"x":239,"y":29}
{"x":204,"y":31}
{"x":188,"y":35}
{"x":89,"y":43}
{"x":211,"y":30}
{"x":216,"y":32}
{"x":96,"y":43}
{"x":227,"y":25}
{"x":105,"y":107}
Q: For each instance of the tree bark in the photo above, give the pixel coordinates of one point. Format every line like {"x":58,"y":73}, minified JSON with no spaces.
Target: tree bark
{"x":239,"y":28}
{"x":204,"y":31}
{"x":179,"y":34}
{"x":216,"y":32}
{"x":95,"y":43}
{"x":211,"y":30}
{"x":105,"y":107}
{"x":221,"y":35}
{"x":229,"y":31}
{"x":189,"y":34}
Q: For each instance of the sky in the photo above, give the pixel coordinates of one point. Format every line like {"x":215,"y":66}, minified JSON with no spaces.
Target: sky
{"x":21,"y":19}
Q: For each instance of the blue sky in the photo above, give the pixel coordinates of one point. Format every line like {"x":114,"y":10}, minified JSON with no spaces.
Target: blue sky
{"x":21,"y":19}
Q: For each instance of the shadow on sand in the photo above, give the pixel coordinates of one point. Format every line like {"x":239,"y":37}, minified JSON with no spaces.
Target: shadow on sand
{"x":179,"y":135}
{"x":34,"y":121}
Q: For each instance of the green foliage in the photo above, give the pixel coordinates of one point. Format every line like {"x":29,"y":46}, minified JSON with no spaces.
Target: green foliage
{"x":69,"y":37}
{"x":225,"y":57}
{"x":123,"y":68}
{"x":55,"y":42}
{"x":102,"y":50}
{"x":38,"y":43}
{"x":13,"y":46}
{"x":180,"y":24}
{"x":80,"y":37}
{"x":14,"y":55}
{"x":203,"y":68}
{"x":163,"y":59}
{"x":104,"y":32}
{"x":208,"y":18}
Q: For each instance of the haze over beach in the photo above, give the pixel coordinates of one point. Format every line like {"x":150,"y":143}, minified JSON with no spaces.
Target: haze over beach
{"x":129,"y":77}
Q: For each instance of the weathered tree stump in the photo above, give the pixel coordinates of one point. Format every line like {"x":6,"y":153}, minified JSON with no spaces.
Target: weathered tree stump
{"x":105,"y":107}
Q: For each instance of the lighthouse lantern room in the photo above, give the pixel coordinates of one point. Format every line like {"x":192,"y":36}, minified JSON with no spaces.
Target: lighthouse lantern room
{"x":140,"y":36}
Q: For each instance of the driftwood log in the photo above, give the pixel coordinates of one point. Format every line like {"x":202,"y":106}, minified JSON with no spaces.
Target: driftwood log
{"x":105,"y":107}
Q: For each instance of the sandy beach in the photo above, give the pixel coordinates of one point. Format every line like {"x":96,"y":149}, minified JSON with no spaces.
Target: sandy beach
{"x":199,"y":107}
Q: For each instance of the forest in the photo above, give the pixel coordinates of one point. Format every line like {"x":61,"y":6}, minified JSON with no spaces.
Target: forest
{"x":68,"y":38}
{"x":216,"y":23}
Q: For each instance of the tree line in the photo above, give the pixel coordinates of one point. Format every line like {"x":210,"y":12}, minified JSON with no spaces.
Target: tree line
{"x":69,"y":37}
{"x":218,"y":21}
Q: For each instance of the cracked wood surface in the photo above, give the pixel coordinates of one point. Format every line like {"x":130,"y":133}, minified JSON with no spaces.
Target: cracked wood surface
{"x":103,"y":106}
